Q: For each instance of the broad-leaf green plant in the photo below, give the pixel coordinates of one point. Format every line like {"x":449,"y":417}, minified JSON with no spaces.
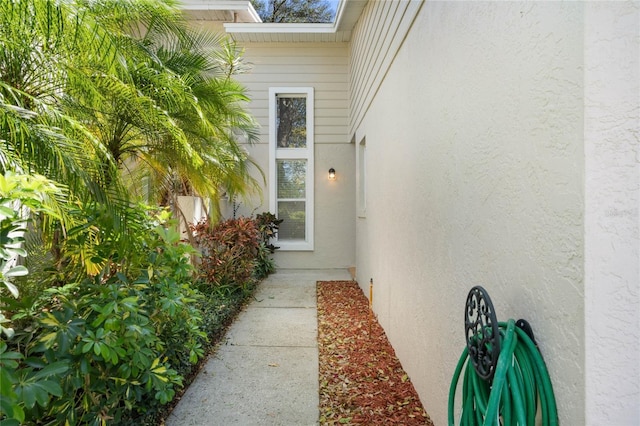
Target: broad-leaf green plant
{"x":22,"y":389}
{"x":20,"y":197}
{"x":126,"y":335}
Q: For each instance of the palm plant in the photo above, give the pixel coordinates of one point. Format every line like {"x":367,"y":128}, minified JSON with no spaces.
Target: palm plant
{"x":204,"y":104}
{"x":38,"y":60}
{"x":174,"y":120}
{"x":94,"y":94}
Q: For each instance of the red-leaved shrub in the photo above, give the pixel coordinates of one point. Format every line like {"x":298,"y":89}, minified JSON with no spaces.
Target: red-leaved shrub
{"x":229,"y":251}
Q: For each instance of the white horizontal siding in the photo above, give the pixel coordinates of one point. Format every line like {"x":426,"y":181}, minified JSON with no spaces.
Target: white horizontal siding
{"x":289,"y":51}
{"x":327,"y":98}
{"x":288,"y":37}
{"x":377,"y":37}
{"x":301,"y":59}
{"x":297,"y":79}
{"x":268,"y":70}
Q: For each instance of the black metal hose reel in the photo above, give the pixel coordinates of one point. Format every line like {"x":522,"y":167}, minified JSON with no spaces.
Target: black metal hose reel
{"x":483,"y":333}
{"x":505,"y":379}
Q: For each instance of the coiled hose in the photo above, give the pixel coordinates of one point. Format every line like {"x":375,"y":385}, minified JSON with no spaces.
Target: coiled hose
{"x":520,"y":383}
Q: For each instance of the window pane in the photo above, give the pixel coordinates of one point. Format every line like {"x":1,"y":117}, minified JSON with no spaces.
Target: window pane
{"x":292,"y":227}
{"x":291,"y":122}
{"x":291,"y":178}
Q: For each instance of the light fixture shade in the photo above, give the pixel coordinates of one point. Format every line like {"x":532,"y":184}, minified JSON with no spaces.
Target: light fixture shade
{"x":332,"y":174}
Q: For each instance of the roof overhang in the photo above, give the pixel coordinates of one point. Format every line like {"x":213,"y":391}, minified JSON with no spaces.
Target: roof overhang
{"x":271,"y":32}
{"x":347,"y":14}
{"x":243,"y":23}
{"x":220,"y":10}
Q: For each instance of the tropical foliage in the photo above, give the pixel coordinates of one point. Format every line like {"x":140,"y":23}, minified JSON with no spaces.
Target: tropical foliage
{"x":116,"y":346}
{"x":101,"y":96}
{"x":105,"y":104}
{"x":236,"y":250}
{"x":268,"y":225}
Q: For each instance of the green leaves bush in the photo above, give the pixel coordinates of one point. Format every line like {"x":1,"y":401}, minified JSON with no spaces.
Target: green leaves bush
{"x":268,"y":226}
{"x":106,"y":334}
{"x":107,"y":349}
{"x":103,"y":319}
{"x":112,"y":348}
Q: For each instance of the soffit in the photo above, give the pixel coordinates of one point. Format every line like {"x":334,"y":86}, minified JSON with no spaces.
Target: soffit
{"x":220,"y":11}
{"x":242,"y":25}
{"x":270,"y":32}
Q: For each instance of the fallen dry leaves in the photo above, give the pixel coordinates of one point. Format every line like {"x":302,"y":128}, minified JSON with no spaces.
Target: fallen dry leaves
{"x":361,"y":380}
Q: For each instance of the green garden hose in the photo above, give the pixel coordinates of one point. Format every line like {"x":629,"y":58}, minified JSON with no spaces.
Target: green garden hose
{"x":520,"y":386}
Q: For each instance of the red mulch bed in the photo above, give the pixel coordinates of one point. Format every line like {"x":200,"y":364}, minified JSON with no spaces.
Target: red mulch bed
{"x":361,"y":380}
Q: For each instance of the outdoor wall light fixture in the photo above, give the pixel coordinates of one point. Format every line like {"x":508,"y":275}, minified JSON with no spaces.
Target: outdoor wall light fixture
{"x":332,"y":174}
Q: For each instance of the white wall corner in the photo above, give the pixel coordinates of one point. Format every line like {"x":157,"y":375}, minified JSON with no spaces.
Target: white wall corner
{"x":612,"y":202}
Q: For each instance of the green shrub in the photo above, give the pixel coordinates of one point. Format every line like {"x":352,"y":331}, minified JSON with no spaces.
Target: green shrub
{"x":113,"y":347}
{"x":36,"y":382}
{"x":268,"y":225}
{"x":220,"y":307}
{"x":105,"y":333}
{"x":265,"y":265}
{"x":19,"y":195}
{"x":108,"y":348}
{"x":26,"y":384}
{"x":172,"y":298}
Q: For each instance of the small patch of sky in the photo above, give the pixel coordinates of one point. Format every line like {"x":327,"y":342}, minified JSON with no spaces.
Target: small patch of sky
{"x":333,"y":6}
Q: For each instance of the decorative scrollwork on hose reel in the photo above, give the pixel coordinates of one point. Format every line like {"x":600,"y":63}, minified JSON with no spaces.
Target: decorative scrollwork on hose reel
{"x":482,"y":332}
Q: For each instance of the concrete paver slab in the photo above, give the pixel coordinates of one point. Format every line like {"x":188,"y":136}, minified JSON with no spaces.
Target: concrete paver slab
{"x":253,"y":386}
{"x":274,"y":295}
{"x":266,"y":370}
{"x":276,"y":327}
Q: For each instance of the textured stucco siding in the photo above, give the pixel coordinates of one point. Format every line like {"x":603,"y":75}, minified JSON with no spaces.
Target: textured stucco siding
{"x":612,"y":183}
{"x":476,"y":163}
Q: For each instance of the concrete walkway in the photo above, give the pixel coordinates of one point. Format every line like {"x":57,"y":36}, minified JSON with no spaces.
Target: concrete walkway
{"x":265,"y":371}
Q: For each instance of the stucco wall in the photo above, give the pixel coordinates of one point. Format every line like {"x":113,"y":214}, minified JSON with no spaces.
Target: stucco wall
{"x":475,"y":161}
{"x":612,"y":182}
